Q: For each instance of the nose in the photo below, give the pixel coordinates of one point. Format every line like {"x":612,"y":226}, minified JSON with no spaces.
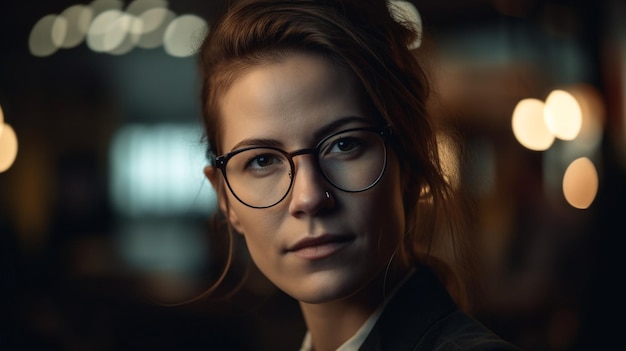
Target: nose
{"x":309,"y":190}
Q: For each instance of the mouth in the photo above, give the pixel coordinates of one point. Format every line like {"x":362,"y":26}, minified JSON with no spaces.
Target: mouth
{"x":320,"y":247}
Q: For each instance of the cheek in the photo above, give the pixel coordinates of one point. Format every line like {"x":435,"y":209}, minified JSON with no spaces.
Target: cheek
{"x":259,"y":229}
{"x":382,"y":207}
{"x":390,"y":194}
{"x":390,"y":214}
{"x":256,"y":225}
{"x":254,"y":229}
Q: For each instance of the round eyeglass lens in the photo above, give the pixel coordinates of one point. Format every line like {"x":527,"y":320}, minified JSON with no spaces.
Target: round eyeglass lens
{"x":354,"y":160}
{"x":259,"y":177}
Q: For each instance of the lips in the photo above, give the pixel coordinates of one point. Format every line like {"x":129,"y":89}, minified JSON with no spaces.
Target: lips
{"x":315,"y":248}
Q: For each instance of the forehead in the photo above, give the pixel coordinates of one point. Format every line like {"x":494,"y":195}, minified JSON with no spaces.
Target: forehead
{"x":289,"y":97}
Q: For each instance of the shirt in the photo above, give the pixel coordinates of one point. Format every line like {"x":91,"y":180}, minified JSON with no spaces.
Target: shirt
{"x":357,"y":339}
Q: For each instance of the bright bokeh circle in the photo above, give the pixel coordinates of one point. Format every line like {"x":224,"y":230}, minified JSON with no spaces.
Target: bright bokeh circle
{"x":1,"y":120}
{"x":529,"y":125}
{"x":183,"y":35}
{"x":563,"y":115}
{"x":40,"y":42}
{"x":580,"y":183}
{"x":8,"y":147}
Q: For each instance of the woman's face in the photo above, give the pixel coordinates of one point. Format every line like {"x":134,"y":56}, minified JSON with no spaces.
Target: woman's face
{"x":293,"y":104}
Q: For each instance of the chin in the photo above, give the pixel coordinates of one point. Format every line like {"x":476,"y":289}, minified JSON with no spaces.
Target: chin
{"x":324,"y":287}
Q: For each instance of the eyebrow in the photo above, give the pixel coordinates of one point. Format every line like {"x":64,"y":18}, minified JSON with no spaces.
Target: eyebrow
{"x":256,"y":142}
{"x":318,"y":134}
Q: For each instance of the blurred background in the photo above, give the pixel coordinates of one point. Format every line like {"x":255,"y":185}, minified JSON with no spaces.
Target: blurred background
{"x":104,"y":212}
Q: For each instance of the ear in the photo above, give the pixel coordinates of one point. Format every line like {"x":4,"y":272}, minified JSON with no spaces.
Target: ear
{"x":215,"y":178}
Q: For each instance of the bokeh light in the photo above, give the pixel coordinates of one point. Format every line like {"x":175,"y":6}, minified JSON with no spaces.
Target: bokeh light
{"x":154,"y":23}
{"x":449,"y":155}
{"x":184,"y":35}
{"x":406,"y":12}
{"x":529,"y":126}
{"x":8,"y":147}
{"x":138,"y":7}
{"x":99,"y":6}
{"x":109,"y":30}
{"x":593,"y":118}
{"x":106,"y":27}
{"x":75,"y":22}
{"x":1,"y":119}
{"x":580,"y":183}
{"x":563,"y":115}
{"x":157,"y":170}
{"x":40,"y":41}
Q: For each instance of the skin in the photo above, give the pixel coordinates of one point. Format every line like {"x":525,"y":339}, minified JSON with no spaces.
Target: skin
{"x":294,"y":103}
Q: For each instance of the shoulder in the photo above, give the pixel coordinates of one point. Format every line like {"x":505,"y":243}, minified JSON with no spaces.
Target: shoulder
{"x":459,"y":331}
{"x":421,"y":316}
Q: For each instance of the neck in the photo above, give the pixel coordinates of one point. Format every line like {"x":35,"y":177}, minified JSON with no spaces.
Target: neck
{"x":332,"y":323}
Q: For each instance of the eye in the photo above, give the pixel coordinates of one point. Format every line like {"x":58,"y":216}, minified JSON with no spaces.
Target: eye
{"x":344,"y":148}
{"x":262,"y":161}
{"x":345,"y":144}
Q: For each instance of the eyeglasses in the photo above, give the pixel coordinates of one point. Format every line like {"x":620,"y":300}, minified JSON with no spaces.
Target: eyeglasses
{"x":352,"y":160}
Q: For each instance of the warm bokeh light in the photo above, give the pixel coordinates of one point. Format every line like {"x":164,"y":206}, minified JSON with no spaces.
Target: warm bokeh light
{"x":563,"y":115}
{"x":580,"y":183}
{"x":448,"y":152}
{"x":406,"y":12}
{"x":184,"y":35}
{"x":593,"y":117}
{"x":1,"y":119}
{"x":8,"y":147}
{"x":529,"y":126}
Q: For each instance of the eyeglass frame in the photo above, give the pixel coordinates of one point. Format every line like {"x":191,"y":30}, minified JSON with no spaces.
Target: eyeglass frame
{"x":220,"y":162}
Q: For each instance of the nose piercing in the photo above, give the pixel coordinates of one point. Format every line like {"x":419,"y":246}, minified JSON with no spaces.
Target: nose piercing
{"x":327,"y":195}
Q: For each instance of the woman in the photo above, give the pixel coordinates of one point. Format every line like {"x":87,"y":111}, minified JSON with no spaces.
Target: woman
{"x":325,"y":161}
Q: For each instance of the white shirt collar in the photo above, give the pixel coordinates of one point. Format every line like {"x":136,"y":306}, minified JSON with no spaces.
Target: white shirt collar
{"x":355,"y":341}
{"x":358,"y":338}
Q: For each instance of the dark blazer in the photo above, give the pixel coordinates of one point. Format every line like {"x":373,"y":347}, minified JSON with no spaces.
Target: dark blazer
{"x":422,"y":316}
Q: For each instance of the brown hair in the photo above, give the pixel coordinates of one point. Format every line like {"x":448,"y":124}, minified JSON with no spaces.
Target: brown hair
{"x":363,"y":37}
